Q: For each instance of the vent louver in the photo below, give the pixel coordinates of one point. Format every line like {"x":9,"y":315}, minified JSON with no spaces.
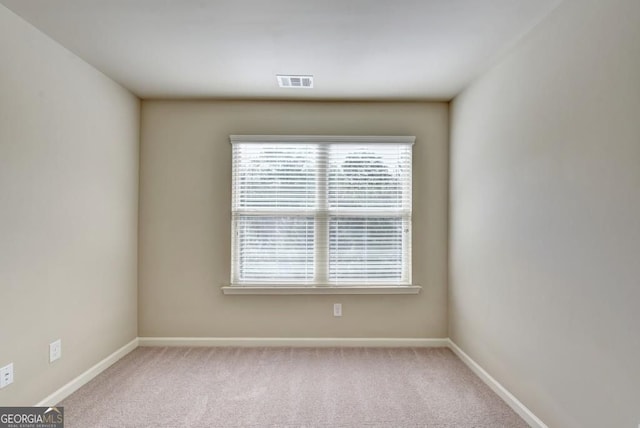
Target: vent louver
{"x":295,"y":81}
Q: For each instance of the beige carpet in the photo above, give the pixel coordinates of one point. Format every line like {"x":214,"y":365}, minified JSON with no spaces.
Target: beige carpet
{"x":288,"y":387}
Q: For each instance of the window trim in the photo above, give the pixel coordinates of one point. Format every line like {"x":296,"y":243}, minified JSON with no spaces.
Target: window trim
{"x":346,"y":288}
{"x":392,"y":139}
{"x":321,"y":289}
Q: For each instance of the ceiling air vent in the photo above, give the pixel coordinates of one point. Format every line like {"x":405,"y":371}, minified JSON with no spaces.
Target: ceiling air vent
{"x":295,"y":81}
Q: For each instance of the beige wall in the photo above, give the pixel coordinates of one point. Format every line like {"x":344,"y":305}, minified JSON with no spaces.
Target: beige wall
{"x":185,"y":220}
{"x":545,"y":222}
{"x":68,"y":212}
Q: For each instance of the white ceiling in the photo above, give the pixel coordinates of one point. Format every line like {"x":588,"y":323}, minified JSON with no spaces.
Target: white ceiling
{"x":356,"y":49}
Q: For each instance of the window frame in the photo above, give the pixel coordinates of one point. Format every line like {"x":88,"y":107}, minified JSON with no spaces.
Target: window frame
{"x":322,"y":250}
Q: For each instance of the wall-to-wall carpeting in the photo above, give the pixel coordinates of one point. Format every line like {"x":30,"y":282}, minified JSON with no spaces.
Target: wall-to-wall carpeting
{"x":288,"y":387}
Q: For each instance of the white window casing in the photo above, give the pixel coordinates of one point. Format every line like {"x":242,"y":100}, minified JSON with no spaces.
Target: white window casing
{"x":318,"y":212}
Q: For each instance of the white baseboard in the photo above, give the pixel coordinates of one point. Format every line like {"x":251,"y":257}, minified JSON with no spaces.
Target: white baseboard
{"x":293,"y":342}
{"x":85,"y":377}
{"x":496,"y":387}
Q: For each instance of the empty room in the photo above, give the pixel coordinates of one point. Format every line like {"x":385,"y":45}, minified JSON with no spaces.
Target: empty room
{"x":294,"y":213}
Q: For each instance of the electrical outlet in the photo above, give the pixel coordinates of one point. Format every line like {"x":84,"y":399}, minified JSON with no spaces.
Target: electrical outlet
{"x":337,"y":309}
{"x":55,"y":350}
{"x":6,"y":375}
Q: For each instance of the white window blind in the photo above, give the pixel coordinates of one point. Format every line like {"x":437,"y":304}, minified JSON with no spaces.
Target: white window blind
{"x":321,"y":210}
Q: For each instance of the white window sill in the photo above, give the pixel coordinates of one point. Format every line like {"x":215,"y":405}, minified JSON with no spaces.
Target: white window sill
{"x":356,"y":289}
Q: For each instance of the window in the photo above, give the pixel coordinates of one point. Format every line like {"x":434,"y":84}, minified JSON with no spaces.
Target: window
{"x":321,"y":211}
